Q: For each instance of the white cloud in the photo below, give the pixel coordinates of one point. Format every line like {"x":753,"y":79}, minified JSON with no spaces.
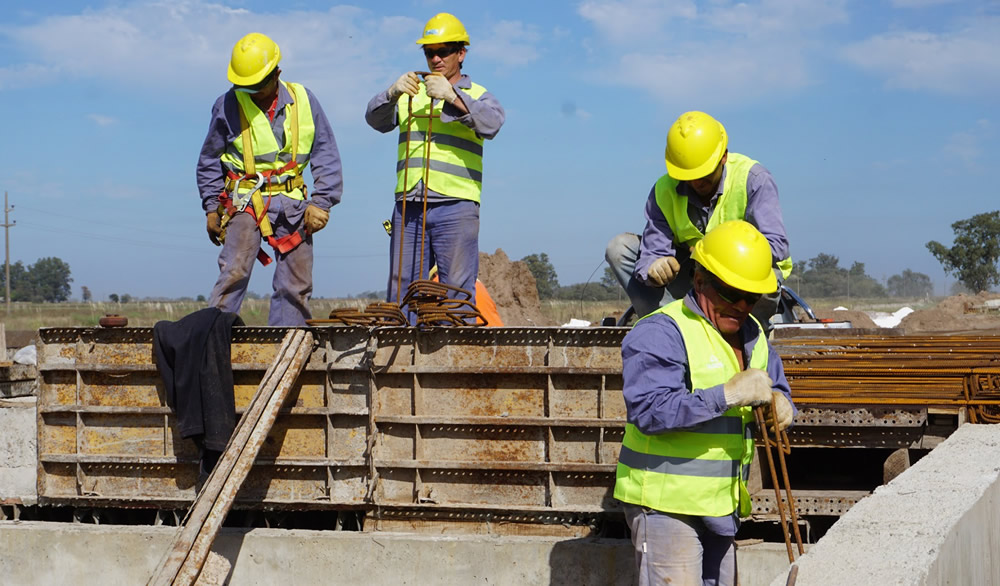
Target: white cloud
{"x":962,"y":62}
{"x":626,"y":21}
{"x":509,"y":43}
{"x":102,"y":120}
{"x":967,"y":146}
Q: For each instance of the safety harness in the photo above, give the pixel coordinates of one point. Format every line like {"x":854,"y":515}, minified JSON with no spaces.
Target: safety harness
{"x":233,"y":202}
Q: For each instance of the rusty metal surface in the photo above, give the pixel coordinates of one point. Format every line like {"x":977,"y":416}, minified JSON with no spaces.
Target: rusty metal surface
{"x":467,"y":419}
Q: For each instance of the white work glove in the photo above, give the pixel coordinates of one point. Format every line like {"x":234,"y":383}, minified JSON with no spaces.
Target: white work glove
{"x":315,"y":219}
{"x":408,"y":83}
{"x":439,"y":88}
{"x":663,"y":270}
{"x":784,"y":409}
{"x":751,"y":387}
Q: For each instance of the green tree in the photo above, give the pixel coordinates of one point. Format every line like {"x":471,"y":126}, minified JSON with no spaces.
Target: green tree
{"x":50,"y":279}
{"x":859,"y":284}
{"x":113,"y":298}
{"x":910,"y":284}
{"x":824,"y":277}
{"x":609,"y":280}
{"x":19,"y":282}
{"x":126,"y":298}
{"x":85,"y":293}
{"x":545,"y":274}
{"x":200,"y":298}
{"x":973,"y":256}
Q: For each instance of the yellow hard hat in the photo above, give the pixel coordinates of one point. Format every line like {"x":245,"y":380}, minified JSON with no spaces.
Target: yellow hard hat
{"x":443,"y":28}
{"x":738,"y":253}
{"x":254,"y":56}
{"x":695,"y":145}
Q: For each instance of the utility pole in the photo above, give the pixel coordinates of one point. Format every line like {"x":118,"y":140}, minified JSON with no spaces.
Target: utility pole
{"x":7,"y":225}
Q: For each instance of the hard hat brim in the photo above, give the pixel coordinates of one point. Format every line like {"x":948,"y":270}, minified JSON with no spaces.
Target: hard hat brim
{"x":703,"y":170}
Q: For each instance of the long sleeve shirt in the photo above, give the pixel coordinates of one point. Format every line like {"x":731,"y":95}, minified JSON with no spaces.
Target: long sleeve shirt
{"x":657,"y":383}
{"x":763,"y":211}
{"x":224,"y":127}
{"x":485,"y":117}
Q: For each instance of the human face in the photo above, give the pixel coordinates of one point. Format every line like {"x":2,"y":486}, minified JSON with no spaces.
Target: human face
{"x":263,"y":92}
{"x":726,"y":307}
{"x":445,"y":59}
{"x":706,"y":186}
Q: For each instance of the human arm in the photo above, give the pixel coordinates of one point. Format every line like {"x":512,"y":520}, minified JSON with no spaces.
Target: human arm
{"x":209,"y":173}
{"x":484,"y":115}
{"x":764,"y":211}
{"x":657,"y":240}
{"x":657,"y":391}
{"x":324,"y":163}
{"x":783,"y":401}
{"x":381,"y":111}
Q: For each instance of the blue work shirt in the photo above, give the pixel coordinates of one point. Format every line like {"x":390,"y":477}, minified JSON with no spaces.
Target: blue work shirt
{"x":224,"y":127}
{"x":485,"y":116}
{"x":657,"y":384}
{"x":763,"y":211}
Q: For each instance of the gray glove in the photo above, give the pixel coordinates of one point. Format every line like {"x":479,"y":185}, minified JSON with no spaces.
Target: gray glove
{"x":663,"y":270}
{"x":751,"y":387}
{"x":439,"y":88}
{"x":408,"y":83}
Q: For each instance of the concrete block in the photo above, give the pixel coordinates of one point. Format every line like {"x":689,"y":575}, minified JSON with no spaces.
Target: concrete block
{"x":18,"y":449}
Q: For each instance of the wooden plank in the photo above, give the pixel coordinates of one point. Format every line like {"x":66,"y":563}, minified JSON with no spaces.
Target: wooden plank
{"x":191,"y":546}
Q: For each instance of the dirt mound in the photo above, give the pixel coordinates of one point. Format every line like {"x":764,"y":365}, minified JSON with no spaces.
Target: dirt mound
{"x":858,"y":319}
{"x":959,"y":313}
{"x":512,"y":287}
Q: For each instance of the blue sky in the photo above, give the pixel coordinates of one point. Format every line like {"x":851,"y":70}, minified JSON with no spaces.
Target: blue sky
{"x":877,"y":119}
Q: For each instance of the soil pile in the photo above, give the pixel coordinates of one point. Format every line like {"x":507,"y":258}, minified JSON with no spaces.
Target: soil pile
{"x":960,"y":313}
{"x":512,"y":287}
{"x":858,"y":319}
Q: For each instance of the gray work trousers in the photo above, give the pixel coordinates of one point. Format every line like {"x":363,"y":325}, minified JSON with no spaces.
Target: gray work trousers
{"x":292,"y":282}
{"x":679,"y":550}
{"x":623,"y":252}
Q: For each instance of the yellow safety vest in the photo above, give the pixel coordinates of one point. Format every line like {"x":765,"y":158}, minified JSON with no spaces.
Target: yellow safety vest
{"x":455,"y":151}
{"x":255,"y":149}
{"x":700,"y":470}
{"x":732,"y":205}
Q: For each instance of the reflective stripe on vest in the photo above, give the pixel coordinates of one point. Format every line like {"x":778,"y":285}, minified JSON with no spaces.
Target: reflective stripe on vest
{"x":700,"y":470}
{"x":732,"y":205}
{"x":456,"y":151}
{"x":267,"y":156}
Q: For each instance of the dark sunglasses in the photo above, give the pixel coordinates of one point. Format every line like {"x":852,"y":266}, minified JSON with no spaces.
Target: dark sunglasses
{"x":441,"y":52}
{"x":732,"y":295}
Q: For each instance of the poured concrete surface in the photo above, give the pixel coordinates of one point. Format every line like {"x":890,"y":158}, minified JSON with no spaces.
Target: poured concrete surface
{"x":55,"y":553}
{"x":18,"y":455}
{"x":937,"y":523}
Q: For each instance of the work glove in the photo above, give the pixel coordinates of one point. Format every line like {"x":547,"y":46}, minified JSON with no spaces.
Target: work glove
{"x":785,"y":413}
{"x":315,"y":219}
{"x":439,"y":88}
{"x":663,"y":270}
{"x":214,"y":227}
{"x":408,"y":83}
{"x":751,"y":387}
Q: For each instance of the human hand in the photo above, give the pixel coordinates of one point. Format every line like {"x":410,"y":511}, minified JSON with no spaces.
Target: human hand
{"x":784,"y":410}
{"x":315,"y":219}
{"x":750,"y":387}
{"x":214,"y":227}
{"x":408,"y":83}
{"x":663,"y":270}
{"x":439,"y":88}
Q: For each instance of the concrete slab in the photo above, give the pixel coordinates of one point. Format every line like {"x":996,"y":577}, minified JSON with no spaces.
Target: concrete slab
{"x":55,"y":553}
{"x":936,"y":523}
{"x":18,"y":451}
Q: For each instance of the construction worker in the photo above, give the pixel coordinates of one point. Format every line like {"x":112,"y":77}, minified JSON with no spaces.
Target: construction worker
{"x":705,"y":185}
{"x":455,"y":116}
{"x":693,"y":370}
{"x":262,"y":134}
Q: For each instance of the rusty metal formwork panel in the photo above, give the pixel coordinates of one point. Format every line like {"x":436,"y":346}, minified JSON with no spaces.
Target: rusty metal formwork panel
{"x":106,"y":435}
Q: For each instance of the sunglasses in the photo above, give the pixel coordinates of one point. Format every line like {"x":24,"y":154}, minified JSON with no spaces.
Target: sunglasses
{"x":257,"y":87}
{"x":732,"y":295}
{"x":441,"y":52}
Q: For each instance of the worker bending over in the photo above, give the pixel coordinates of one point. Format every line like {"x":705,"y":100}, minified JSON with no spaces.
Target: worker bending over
{"x":705,"y":185}
{"x":456,"y":116}
{"x":262,"y":134}
{"x":693,"y":370}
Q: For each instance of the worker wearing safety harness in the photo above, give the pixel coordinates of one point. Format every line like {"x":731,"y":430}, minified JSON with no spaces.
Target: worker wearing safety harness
{"x":439,"y":160}
{"x":263,"y":133}
{"x":692,"y":371}
{"x":705,"y":185}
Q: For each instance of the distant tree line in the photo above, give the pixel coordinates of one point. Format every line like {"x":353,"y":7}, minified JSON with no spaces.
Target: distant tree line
{"x":821,"y":276}
{"x":48,"y":280}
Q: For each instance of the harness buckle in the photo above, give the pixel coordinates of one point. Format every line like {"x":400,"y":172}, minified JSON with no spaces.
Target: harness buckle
{"x":240,"y":201}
